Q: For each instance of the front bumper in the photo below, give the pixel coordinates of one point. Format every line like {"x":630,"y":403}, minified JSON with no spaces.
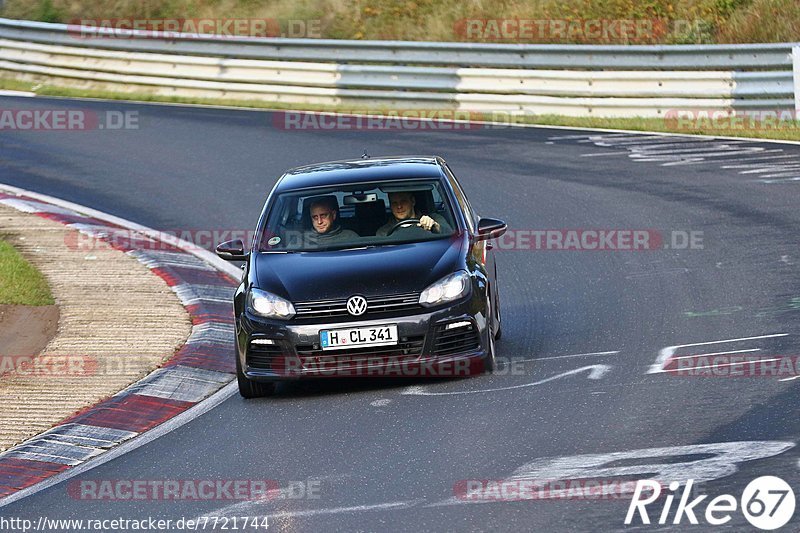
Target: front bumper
{"x":273,"y":350}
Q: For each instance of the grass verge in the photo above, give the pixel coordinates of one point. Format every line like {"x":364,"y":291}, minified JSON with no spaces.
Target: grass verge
{"x":549,"y":21}
{"x":20,"y":283}
{"x":784,"y":130}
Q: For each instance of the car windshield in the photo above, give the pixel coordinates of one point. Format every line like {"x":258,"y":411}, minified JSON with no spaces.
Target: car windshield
{"x":358,"y":215}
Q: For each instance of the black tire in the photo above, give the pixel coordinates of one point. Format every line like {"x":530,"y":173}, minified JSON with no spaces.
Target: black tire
{"x":490,"y":361}
{"x":251,"y":389}
{"x":498,"y":330}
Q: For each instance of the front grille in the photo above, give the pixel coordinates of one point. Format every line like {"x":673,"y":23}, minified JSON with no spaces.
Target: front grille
{"x":457,"y":340}
{"x":408,"y":347}
{"x":375,"y":305}
{"x":263,"y":356}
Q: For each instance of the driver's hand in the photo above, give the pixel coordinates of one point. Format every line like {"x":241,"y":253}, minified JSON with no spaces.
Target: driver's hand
{"x":427,"y":223}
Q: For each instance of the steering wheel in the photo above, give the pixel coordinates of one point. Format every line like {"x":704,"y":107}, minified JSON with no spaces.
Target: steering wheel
{"x":402,"y":223}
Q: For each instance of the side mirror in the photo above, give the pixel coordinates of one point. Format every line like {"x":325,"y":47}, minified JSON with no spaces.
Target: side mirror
{"x":232,"y":250}
{"x":490,"y":228}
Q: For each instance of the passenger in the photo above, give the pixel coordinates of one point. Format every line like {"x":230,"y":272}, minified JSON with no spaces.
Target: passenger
{"x":325,"y":229}
{"x":402,"y":204}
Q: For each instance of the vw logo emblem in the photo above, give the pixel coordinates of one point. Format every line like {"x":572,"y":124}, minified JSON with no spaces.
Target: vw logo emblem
{"x":357,"y":305}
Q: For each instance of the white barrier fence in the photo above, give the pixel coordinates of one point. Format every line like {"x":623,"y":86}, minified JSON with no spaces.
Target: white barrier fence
{"x":576,"y":80}
{"x":796,"y":58}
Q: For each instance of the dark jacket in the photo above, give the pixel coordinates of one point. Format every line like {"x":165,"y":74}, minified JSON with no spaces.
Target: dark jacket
{"x":336,"y":235}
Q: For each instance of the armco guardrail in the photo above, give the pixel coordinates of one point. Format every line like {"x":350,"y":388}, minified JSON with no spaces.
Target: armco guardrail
{"x":647,"y":81}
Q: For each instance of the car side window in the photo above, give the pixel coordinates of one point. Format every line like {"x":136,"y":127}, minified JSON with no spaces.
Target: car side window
{"x":462,"y":200}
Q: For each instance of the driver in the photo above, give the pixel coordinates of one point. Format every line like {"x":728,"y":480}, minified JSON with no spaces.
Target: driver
{"x":402,"y":204}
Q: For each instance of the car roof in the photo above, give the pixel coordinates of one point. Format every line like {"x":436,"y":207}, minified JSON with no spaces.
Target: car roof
{"x":361,"y":170}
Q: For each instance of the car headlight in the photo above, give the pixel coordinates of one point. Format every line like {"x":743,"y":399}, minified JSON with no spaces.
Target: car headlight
{"x":268,"y":305}
{"x":447,"y":289}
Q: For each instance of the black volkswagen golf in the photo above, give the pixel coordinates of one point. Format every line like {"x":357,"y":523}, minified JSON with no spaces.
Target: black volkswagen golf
{"x":370,"y":267}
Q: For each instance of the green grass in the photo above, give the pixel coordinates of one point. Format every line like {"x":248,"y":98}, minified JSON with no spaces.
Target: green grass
{"x":677,"y":21}
{"x":15,"y":85}
{"x":20,"y":283}
{"x":787,"y":131}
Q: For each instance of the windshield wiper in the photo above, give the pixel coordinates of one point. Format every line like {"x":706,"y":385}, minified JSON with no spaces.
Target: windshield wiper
{"x":363,"y":247}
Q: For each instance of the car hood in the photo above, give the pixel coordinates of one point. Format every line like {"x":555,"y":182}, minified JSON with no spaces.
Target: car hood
{"x":375,"y":271}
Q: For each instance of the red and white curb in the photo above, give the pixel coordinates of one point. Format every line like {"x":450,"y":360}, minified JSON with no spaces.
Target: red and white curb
{"x":204,"y":285}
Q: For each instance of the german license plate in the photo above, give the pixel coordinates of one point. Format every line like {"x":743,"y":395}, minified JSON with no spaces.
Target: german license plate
{"x":337,"y":339}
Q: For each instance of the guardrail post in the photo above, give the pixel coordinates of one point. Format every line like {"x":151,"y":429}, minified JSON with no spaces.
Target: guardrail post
{"x":796,"y":63}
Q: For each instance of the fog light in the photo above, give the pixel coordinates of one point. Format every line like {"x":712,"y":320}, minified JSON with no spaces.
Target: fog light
{"x":455,"y":325}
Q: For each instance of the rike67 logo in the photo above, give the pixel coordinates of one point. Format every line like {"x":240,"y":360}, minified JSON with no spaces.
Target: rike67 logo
{"x":767,"y":503}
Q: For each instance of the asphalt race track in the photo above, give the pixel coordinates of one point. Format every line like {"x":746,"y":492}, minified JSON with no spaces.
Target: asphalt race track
{"x":392,"y":454}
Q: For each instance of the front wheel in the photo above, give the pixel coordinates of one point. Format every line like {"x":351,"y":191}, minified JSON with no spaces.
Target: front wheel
{"x":251,"y":389}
